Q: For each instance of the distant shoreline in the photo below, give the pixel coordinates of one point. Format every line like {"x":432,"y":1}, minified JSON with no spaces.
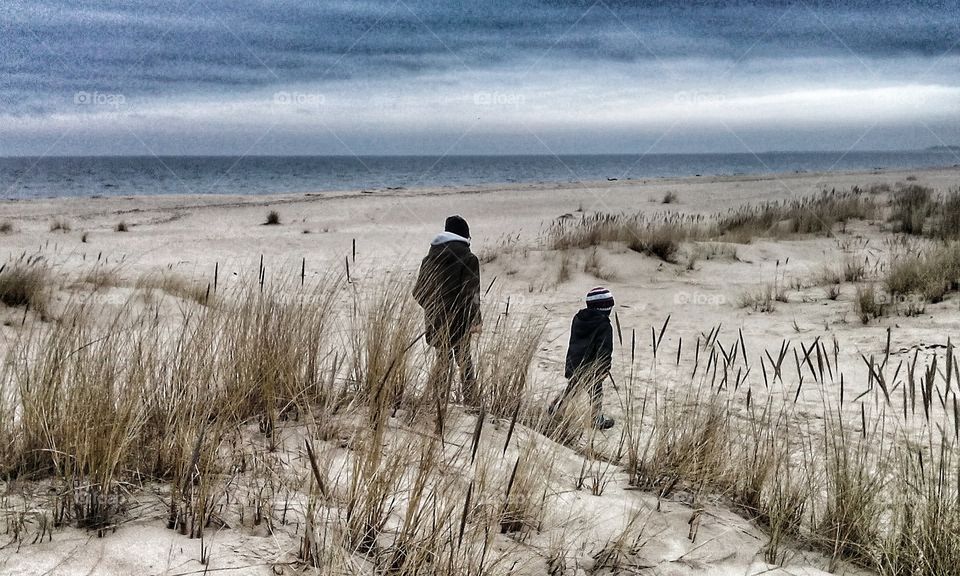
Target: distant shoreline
{"x":128,"y":176}
{"x":938,"y":148}
{"x":153,"y":201}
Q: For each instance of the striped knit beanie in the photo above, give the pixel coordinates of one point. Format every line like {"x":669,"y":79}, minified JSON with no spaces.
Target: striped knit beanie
{"x":599,"y":299}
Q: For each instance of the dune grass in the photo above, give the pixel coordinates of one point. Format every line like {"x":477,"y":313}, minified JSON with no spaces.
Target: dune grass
{"x":917,"y":210}
{"x":817,"y":214}
{"x":911,"y":206}
{"x":931,"y":273}
{"x":61,"y":225}
{"x":659,"y":236}
{"x":101,"y":276}
{"x":662,"y":234}
{"x":25,"y":283}
{"x":852,"y":486}
{"x":169,"y":395}
{"x":869,"y":303}
{"x":594,"y":265}
{"x":173,"y":284}
{"x":320,"y":391}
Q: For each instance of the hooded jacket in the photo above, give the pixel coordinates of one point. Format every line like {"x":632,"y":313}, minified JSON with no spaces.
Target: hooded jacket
{"x":591,"y":344}
{"x":448,"y":289}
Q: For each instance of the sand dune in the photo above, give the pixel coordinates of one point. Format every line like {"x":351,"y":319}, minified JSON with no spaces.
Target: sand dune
{"x":383,"y":235}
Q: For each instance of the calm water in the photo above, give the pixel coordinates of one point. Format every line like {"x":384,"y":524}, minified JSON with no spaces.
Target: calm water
{"x":22,"y":178}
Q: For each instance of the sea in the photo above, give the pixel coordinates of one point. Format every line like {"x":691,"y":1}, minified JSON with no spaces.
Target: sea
{"x":24,"y":178}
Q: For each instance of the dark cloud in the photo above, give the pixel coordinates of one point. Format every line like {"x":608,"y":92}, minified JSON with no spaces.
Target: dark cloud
{"x":400,"y":76}
{"x":172,"y":47}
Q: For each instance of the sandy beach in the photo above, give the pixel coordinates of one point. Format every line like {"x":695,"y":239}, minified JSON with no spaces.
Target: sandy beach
{"x":381,"y":236}
{"x":194,"y":232}
{"x":392,"y":230}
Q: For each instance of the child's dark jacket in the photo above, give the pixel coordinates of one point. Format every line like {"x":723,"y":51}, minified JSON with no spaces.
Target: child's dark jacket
{"x":591,"y":344}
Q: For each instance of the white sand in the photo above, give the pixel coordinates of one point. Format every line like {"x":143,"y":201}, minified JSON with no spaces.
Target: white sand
{"x":392,"y":231}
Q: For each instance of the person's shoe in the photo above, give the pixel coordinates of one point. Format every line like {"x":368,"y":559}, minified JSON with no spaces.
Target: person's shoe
{"x":602,"y":423}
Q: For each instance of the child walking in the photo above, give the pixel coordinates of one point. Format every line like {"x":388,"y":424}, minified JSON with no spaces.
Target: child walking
{"x":589,"y":354}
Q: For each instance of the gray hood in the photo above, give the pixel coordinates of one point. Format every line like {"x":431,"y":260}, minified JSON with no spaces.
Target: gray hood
{"x":445,"y":237}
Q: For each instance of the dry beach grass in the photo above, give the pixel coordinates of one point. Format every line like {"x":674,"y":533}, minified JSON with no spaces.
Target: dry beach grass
{"x":296,"y":405}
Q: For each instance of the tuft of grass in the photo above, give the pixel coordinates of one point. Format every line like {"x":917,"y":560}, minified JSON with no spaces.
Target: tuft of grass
{"x":273,"y":218}
{"x":879,"y":188}
{"x":817,"y":214}
{"x":854,"y":268}
{"x":175,"y":285}
{"x":829,"y":275}
{"x":945,"y":224}
{"x":850,"y":520}
{"x":832,"y":291}
{"x":714,"y":251}
{"x":662,"y":242}
{"x":522,"y":500}
{"x":23,"y":284}
{"x":594,"y":266}
{"x":869,"y":303}
{"x":931,"y":273}
{"x":762,"y":299}
{"x":386,"y":326}
{"x":504,"y":358}
{"x":60,"y":225}
{"x":910,"y":207}
{"x":620,"y":552}
{"x":507,"y":245}
{"x":917,"y":211}
{"x":100,"y":277}
{"x":686,"y":445}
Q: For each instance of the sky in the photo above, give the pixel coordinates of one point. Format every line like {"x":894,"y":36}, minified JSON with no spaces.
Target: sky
{"x":245,"y":77}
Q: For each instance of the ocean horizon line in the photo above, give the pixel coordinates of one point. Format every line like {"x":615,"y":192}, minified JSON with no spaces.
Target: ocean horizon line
{"x":929,"y":149}
{"x":58,"y":176}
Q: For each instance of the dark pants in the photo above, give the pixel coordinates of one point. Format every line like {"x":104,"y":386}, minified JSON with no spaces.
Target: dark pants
{"x":592,"y":384}
{"x":441,"y":375}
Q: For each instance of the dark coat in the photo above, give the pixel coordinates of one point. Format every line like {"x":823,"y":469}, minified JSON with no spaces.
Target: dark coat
{"x":591,"y":344}
{"x":448,"y":290}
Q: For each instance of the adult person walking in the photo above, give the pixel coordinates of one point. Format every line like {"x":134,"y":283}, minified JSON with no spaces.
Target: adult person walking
{"x":448,"y":290}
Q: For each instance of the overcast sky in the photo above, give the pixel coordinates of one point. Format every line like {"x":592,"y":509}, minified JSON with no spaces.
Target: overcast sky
{"x":475,"y":77}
